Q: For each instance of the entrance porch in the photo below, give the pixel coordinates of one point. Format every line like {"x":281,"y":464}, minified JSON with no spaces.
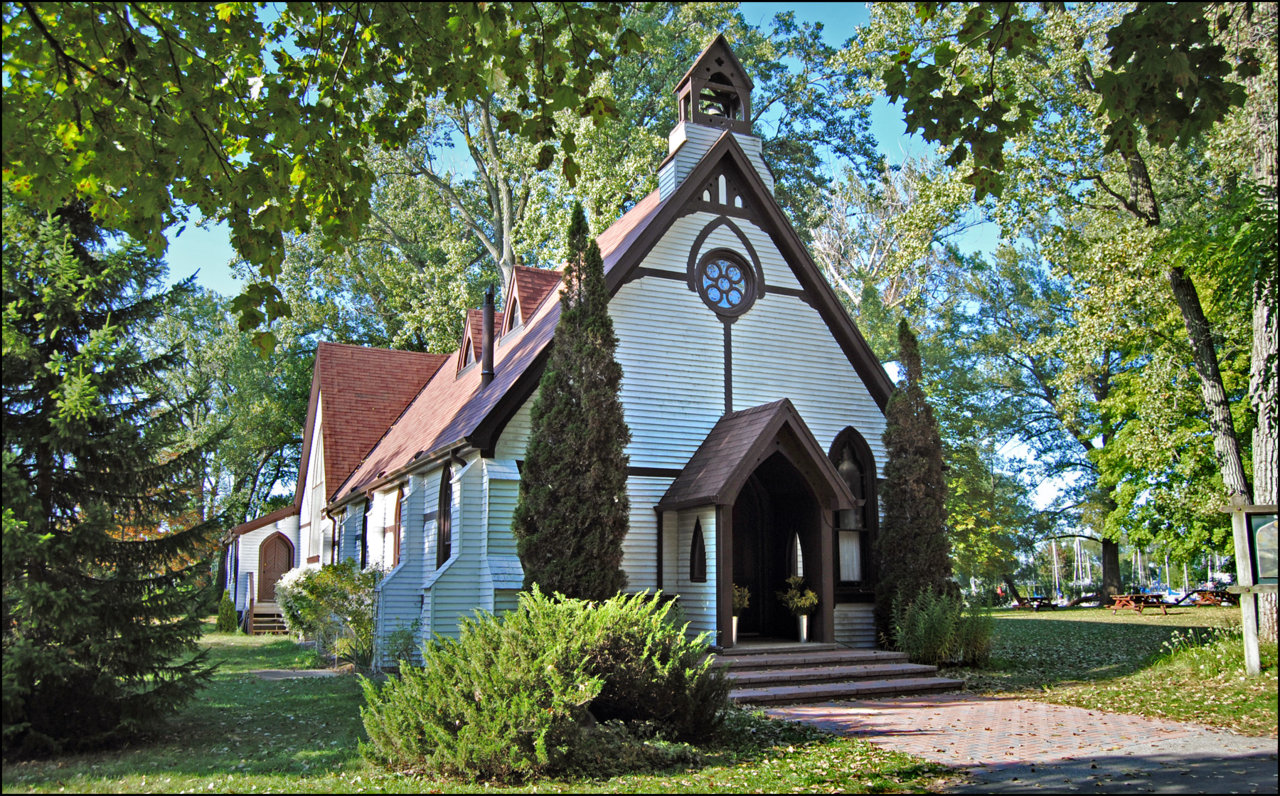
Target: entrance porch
{"x":763,"y":496}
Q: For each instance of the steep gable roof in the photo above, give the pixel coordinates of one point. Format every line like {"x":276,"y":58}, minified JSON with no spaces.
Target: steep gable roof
{"x":738,"y":443}
{"x":772,"y":219}
{"x":456,"y":409}
{"x":362,"y":391}
{"x":265,"y":520}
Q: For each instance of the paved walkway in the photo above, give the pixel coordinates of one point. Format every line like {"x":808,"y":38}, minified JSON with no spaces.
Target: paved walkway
{"x":1014,"y":745}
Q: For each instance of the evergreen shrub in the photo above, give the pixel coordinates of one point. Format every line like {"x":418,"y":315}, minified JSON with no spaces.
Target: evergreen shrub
{"x":572,"y":506}
{"x":973,"y":635}
{"x":521,"y":696}
{"x":227,"y":621}
{"x":912,"y":552}
{"x":105,"y":564}
{"x":938,"y":628}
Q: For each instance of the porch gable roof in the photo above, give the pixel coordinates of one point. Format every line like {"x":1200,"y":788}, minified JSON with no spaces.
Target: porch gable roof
{"x":738,"y":443}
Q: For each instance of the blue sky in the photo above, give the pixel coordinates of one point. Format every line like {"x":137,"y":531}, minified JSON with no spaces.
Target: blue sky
{"x":210,"y":252}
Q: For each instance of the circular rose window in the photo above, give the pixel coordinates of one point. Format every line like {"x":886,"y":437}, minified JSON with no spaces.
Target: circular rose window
{"x":725,"y":283}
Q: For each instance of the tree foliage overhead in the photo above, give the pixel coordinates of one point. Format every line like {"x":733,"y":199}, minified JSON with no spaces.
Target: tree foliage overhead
{"x":103,"y":592}
{"x":1124,"y":99}
{"x":913,"y":554}
{"x":262,"y":118}
{"x":1165,"y":76}
{"x":571,"y":513}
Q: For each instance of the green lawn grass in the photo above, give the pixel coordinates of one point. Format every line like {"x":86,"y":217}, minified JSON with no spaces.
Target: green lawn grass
{"x":244,"y":734}
{"x":1122,"y":662}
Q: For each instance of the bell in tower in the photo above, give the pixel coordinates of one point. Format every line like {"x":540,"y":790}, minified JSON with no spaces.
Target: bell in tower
{"x":714,"y":100}
{"x":716,"y":92}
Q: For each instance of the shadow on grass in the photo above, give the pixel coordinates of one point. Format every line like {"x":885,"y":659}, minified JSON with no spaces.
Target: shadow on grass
{"x":239,"y":724}
{"x":1035,"y":651}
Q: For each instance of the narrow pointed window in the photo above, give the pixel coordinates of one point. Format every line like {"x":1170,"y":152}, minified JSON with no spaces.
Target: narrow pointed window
{"x":444,"y":519}
{"x":698,"y":555}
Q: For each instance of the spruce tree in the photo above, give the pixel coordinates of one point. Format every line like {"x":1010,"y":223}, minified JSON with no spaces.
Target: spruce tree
{"x":571,"y":515}
{"x":102,"y":602}
{"x":913,"y":553}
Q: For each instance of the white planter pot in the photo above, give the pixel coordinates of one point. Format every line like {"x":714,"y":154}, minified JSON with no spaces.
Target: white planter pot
{"x":804,"y":629}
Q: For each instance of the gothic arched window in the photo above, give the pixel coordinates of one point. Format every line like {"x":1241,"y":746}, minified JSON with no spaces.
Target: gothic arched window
{"x":444,"y":518}
{"x":698,"y":555}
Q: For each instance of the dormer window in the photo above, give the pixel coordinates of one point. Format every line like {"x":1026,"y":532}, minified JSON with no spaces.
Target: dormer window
{"x":513,"y":315}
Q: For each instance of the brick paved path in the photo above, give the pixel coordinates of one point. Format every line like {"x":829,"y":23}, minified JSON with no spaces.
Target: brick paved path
{"x":1018,"y":745}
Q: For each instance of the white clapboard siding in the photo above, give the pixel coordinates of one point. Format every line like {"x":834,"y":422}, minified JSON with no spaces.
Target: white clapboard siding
{"x":640,"y":547}
{"x":515,"y":437}
{"x":690,"y":142}
{"x":400,"y":592}
{"x":671,"y":349}
{"x":453,"y":590}
{"x":776,"y":271}
{"x":782,"y":349}
{"x":249,"y":544}
{"x":697,"y":600}
{"x":855,"y":625}
{"x":502,"y":570}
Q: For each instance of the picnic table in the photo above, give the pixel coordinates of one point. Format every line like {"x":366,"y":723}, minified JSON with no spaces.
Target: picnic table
{"x":1208,"y":597}
{"x":1034,"y":603}
{"x":1138,"y":601}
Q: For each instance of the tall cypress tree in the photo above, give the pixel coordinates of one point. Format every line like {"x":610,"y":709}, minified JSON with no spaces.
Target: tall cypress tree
{"x":99,"y":624}
{"x":912,"y":550}
{"x":571,"y":516}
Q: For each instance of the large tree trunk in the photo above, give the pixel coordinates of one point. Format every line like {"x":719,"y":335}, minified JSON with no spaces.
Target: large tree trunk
{"x":1225,"y":445}
{"x":1258,"y":30}
{"x":1263,"y":366}
{"x":1111,"y":585}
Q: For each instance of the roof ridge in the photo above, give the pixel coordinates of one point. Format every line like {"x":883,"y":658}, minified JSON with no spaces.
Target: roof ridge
{"x":359,"y":347}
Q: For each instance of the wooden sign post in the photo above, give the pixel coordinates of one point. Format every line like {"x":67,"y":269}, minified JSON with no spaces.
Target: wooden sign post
{"x":1254,"y":532}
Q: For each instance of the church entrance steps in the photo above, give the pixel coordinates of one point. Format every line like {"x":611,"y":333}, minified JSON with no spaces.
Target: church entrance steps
{"x":267,"y":620}
{"x":781,"y":674}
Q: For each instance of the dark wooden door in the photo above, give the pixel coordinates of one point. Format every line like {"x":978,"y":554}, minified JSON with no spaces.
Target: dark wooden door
{"x":275,"y":557}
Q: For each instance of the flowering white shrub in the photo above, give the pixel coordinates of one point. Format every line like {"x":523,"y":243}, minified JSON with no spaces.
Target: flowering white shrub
{"x":295,"y":599}
{"x":333,"y":605}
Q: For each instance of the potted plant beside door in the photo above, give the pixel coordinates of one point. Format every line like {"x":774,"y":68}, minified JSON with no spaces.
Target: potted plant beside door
{"x":800,"y":601}
{"x":741,"y":599}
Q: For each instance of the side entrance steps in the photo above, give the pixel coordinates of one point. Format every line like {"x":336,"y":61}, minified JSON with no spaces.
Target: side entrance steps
{"x":267,"y":619}
{"x":770,"y":674}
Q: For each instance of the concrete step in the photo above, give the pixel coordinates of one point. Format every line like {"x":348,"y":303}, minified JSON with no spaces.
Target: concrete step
{"x":804,"y":657}
{"x":758,"y":678}
{"x":858,"y":689}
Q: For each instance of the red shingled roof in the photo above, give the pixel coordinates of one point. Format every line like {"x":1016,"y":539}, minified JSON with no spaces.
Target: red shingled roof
{"x":530,"y":287}
{"x":615,"y":240}
{"x":363,"y":390}
{"x":452,"y":405}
